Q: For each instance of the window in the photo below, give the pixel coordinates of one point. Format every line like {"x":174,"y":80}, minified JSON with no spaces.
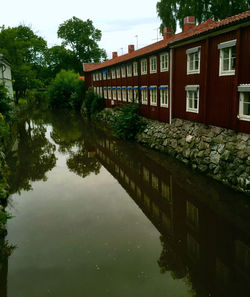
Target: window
{"x":105,"y":93}
{"x":153,"y":95}
{"x":193,"y":60}
{"x":144,"y":66}
{"x":144,"y":95}
{"x":100,"y":76}
{"x":244,"y":102}
{"x":227,"y":57}
{"x":101,"y":92}
{"x":109,"y":93}
{"x":123,"y":71}
{"x":124,"y":94}
{"x":136,"y":94}
{"x":113,"y":73}
{"x":93,"y":76}
{"x":119,"y":93}
{"x":135,"y":68}
{"x":164,"y":62}
{"x":105,"y":74}
{"x":108,"y":74}
{"x":114,"y":93}
{"x":192,"y":99}
{"x":153,"y":64}
{"x":129,"y":70}
{"x":118,"y":73}
{"x":164,"y":96}
{"x":130,"y":94}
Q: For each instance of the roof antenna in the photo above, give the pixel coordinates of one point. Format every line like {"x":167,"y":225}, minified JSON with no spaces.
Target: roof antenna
{"x":121,"y":50}
{"x":136,"y":36}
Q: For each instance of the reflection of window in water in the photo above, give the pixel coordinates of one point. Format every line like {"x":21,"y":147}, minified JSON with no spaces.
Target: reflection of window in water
{"x":155,"y":180}
{"x":242,"y":256}
{"x":116,"y":168}
{"x":107,"y":143}
{"x":107,"y":160}
{"x":138,"y":192}
{"x":222,"y":272}
{"x":193,"y":247}
{"x":147,"y":201}
{"x":165,"y":191}
{"x":166,"y":222}
{"x":121,"y":173}
{"x":111,"y":146}
{"x":132,"y":185}
{"x":192,"y":214}
{"x":155,"y":210}
{"x":126,"y":179}
{"x":145,"y":174}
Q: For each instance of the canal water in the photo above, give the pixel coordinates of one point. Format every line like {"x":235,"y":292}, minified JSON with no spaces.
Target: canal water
{"x":94,"y":216}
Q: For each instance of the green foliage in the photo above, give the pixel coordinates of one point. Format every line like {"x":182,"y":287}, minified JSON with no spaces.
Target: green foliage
{"x":82,"y":37}
{"x":93,"y":103}
{"x":173,"y":11}
{"x":25,"y":51}
{"x":5,"y":102}
{"x":127,"y":123}
{"x":66,"y":90}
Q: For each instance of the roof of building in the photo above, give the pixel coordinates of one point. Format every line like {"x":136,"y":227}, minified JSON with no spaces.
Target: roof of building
{"x":195,"y":31}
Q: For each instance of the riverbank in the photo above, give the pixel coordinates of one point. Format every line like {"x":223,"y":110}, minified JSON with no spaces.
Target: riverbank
{"x":219,"y":153}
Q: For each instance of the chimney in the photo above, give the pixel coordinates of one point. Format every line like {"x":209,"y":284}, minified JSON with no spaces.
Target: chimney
{"x":114,"y":55}
{"x":131,"y":48}
{"x":167,"y":33}
{"x":189,"y":22}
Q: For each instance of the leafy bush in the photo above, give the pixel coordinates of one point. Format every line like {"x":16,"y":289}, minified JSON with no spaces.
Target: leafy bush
{"x":5,"y":102}
{"x":127,"y":122}
{"x":93,"y":103}
{"x":66,"y":90}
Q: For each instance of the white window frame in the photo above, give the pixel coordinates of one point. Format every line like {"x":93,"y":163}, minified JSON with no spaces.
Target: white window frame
{"x":124,"y":94}
{"x":164,"y":62}
{"x":108,"y":74}
{"x":194,"y":89}
{"x":105,"y":93}
{"x":153,"y":95}
{"x":242,"y":89}
{"x":153,"y":64}
{"x":109,"y":93}
{"x":119,"y":93}
{"x":114,"y":93}
{"x":136,"y":94}
{"x":192,"y":54}
{"x":123,"y":70}
{"x":144,"y":95}
{"x":130,"y":94}
{"x":129,"y":70}
{"x":118,"y":72}
{"x":163,"y":95}
{"x":143,"y":66}
{"x":113,"y":73}
{"x":222,"y":47}
{"x":135,"y":68}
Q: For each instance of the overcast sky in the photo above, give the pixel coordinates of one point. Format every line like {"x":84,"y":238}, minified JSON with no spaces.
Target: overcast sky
{"x":119,"y":21}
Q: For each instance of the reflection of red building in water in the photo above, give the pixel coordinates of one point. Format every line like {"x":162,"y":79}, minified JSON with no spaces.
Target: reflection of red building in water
{"x":201,"y":74}
{"x":202,"y":237}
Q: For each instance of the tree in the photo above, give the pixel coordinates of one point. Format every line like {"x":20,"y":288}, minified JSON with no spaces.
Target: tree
{"x":25,"y":51}
{"x":59,"y":58}
{"x":82,"y":38}
{"x":173,"y":11}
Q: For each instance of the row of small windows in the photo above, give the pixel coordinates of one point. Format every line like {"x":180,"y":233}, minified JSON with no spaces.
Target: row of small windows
{"x":131,"y":94}
{"x":131,"y":69}
{"x":226,"y":65}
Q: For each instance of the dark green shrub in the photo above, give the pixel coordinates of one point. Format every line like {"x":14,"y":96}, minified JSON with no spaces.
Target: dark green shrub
{"x":93,"y":103}
{"x":5,"y":103}
{"x":66,"y":90}
{"x":127,"y":122}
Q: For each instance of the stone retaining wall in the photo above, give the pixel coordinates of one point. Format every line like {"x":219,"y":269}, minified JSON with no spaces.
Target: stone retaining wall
{"x":220,"y":153}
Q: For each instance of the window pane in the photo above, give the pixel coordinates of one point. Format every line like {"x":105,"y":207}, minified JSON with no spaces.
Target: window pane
{"x":226,"y":53}
{"x":225,"y":64}
{"x":246,"y":104}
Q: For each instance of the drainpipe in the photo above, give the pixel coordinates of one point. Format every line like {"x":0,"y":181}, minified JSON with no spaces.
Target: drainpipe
{"x":170,"y":86}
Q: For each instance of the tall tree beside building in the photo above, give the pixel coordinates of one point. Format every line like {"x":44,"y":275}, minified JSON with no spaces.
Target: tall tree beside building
{"x":82,"y":37}
{"x":172,"y":12}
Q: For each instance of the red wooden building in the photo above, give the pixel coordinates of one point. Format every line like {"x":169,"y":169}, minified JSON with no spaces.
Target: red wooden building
{"x":201,"y":74}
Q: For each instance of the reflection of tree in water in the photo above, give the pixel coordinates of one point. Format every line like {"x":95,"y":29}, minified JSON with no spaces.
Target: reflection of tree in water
{"x":31,"y":157}
{"x":170,"y":260}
